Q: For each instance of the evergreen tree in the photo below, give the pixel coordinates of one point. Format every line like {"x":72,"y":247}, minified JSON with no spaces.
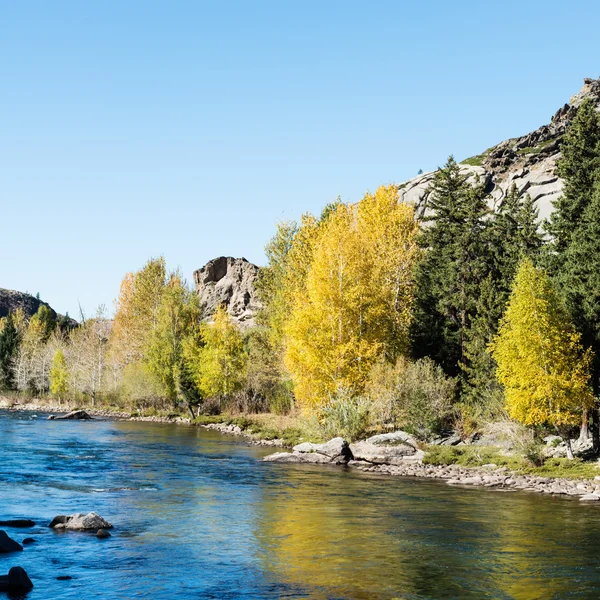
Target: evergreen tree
{"x":580,"y":280}
{"x":456,"y":261}
{"x":571,"y":259}
{"x":578,"y":167}
{"x":512,"y":234}
{"x":9,"y":346}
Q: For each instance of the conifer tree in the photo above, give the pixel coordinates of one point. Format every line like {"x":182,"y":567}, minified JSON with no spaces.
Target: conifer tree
{"x":541,"y":363}
{"x":578,"y":166}
{"x":9,"y":347}
{"x":570,"y":259}
{"x":513,"y":234}
{"x":456,"y":261}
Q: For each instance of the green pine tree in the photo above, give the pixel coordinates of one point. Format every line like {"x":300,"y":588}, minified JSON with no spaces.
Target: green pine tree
{"x":9,"y":346}
{"x":455,"y":263}
{"x":513,"y":234}
{"x":578,"y":167}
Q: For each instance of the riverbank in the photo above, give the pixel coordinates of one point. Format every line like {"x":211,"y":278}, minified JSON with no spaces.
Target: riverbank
{"x":577,"y":479}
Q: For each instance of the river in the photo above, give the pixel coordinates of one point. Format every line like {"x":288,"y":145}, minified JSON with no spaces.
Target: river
{"x":197,"y":515}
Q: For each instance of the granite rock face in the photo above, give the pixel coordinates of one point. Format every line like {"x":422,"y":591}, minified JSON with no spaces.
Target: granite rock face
{"x":230,"y":282}
{"x":529,"y":161}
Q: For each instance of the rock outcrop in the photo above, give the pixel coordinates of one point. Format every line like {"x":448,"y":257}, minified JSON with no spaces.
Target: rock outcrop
{"x":529,"y":162}
{"x":229,"y":282}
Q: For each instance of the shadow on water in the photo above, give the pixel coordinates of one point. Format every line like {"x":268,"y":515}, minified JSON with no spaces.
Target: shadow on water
{"x":197,"y":515}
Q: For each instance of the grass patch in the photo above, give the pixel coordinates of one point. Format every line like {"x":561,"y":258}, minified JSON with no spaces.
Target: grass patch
{"x":470,"y":456}
{"x":476,"y":456}
{"x":535,"y":149}
{"x":477,"y":160}
{"x":292,"y":429}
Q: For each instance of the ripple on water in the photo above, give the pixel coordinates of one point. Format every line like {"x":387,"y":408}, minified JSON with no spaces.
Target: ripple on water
{"x":197,"y":515}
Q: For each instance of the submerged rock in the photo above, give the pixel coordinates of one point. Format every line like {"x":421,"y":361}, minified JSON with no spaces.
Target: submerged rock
{"x":7,"y":544}
{"x":80,"y":415}
{"x":80,"y":522}
{"x":17,"y":581}
{"x":17,"y":523}
{"x":28,"y":540}
{"x":102,"y":533}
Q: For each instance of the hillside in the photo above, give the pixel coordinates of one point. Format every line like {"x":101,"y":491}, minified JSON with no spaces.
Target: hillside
{"x":12,"y":300}
{"x":528,"y":161}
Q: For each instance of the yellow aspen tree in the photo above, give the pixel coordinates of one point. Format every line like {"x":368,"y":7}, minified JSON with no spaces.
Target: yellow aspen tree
{"x":357,"y":300}
{"x":59,"y":375}
{"x":137,"y":308}
{"x":541,"y":363}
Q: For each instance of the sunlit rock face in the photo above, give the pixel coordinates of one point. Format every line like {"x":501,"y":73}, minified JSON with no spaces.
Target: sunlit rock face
{"x":529,"y":162}
{"x":230,"y":282}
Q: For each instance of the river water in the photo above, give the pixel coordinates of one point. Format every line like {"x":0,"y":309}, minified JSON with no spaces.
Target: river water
{"x":197,"y":515}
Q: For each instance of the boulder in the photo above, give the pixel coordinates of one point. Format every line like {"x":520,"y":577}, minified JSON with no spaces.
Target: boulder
{"x":393,"y":439}
{"x":102,"y":533}
{"x":80,"y":522}
{"x":333,"y":452}
{"x":7,"y":544}
{"x":79,"y":415}
{"x":28,"y":540}
{"x":590,"y":497}
{"x":388,"y":449}
{"x":337,"y":450}
{"x":17,"y":523}
{"x":17,"y":581}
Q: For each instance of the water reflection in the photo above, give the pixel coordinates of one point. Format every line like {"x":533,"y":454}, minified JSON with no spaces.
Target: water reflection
{"x":198,"y":516}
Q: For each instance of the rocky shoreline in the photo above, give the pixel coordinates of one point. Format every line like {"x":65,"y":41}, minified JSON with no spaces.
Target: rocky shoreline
{"x":395,"y":454}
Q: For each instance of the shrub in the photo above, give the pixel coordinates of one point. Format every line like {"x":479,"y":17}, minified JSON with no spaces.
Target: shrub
{"x":141,"y":389}
{"x":345,"y":415}
{"x":414,"y":395}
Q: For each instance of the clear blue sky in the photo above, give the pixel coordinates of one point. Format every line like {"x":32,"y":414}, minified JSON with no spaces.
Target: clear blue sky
{"x":188,"y":129}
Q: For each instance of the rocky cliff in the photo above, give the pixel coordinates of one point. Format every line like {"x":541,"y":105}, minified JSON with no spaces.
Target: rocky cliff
{"x":230,"y":282}
{"x":11,"y":300}
{"x":529,"y":161}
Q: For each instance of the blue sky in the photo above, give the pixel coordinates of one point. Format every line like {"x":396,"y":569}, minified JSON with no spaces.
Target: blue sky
{"x":188,"y":129}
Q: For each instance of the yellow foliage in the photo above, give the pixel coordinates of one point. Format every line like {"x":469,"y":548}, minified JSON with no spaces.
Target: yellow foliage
{"x":541,"y":362}
{"x":137,"y":310}
{"x":355,"y":304}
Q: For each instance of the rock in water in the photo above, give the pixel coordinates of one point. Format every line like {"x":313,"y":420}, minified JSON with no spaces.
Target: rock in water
{"x":80,"y":522}
{"x":28,"y":541}
{"x":230,"y":282}
{"x":17,"y":581}
{"x":7,"y":544}
{"x":76,"y":415}
{"x":17,"y":523}
{"x":102,"y":533}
